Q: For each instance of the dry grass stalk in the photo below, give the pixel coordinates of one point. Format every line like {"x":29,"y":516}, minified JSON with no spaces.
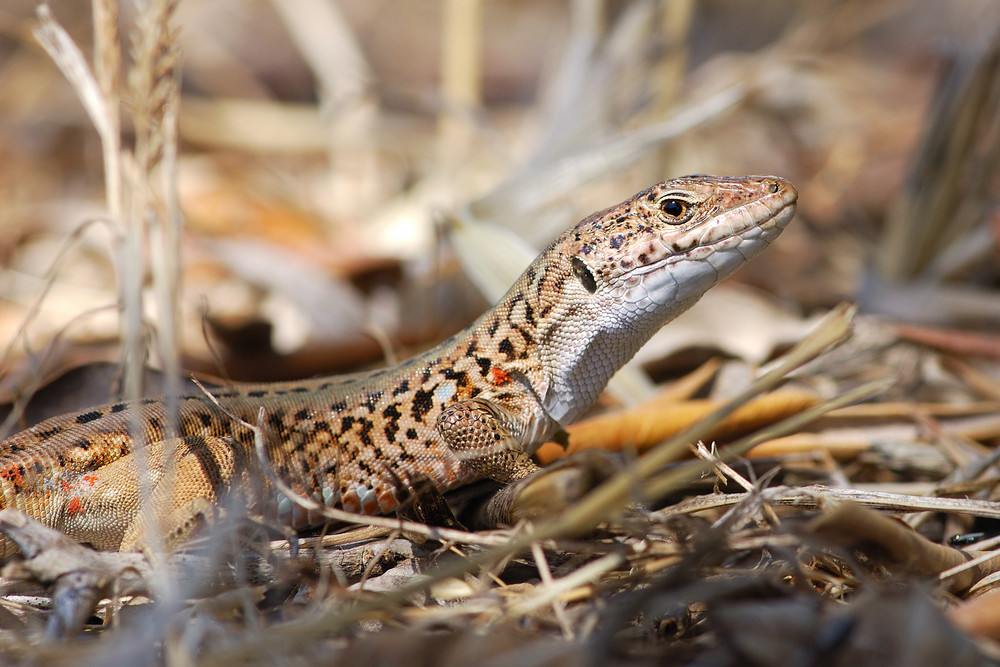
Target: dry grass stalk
{"x":142,"y":209}
{"x":811,"y":497}
{"x":107,"y":67}
{"x":152,"y":78}
{"x":461,"y":72}
{"x":38,"y":376}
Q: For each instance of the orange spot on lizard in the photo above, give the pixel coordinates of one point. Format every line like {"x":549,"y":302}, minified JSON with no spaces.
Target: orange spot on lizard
{"x":499,"y":376}
{"x":74,"y":507}
{"x":12,"y":474}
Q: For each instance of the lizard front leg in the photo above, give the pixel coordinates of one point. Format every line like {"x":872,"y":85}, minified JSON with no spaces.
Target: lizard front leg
{"x":484,"y":436}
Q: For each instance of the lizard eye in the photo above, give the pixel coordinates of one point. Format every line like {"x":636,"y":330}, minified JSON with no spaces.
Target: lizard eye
{"x":675,"y":211}
{"x":582,"y":271}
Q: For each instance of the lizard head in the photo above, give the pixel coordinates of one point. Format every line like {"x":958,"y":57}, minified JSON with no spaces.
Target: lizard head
{"x":676,"y":239}
{"x":614,"y":279}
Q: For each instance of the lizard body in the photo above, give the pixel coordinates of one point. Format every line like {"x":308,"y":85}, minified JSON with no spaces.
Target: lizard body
{"x":476,"y":405}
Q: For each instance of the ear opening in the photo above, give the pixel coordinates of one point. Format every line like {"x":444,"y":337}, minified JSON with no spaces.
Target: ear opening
{"x":582,"y":271}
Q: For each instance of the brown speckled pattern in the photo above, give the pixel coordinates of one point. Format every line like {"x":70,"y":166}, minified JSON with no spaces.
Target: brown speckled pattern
{"x":537,"y":360}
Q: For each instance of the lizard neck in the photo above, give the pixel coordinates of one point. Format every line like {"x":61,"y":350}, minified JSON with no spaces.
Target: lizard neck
{"x":576,"y":344}
{"x":535,"y":337}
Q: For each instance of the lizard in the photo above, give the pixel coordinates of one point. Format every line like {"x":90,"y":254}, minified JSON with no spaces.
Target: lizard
{"x":476,"y":405}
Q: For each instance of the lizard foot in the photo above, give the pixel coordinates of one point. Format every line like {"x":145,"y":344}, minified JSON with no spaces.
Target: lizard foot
{"x":548,"y":491}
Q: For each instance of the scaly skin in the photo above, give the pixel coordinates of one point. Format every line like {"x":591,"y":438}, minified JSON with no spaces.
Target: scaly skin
{"x":478,"y":404}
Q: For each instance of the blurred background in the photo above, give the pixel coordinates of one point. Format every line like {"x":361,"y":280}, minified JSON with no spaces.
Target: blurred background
{"x":271,"y":189}
{"x":359,"y":178}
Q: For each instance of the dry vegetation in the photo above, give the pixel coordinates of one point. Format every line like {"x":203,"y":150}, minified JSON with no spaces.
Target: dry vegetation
{"x":265,"y":190}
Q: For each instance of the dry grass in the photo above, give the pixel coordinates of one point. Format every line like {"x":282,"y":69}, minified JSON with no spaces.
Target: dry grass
{"x":310,"y":139}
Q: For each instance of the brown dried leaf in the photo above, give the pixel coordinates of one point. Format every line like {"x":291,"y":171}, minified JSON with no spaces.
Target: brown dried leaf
{"x":646,"y":425}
